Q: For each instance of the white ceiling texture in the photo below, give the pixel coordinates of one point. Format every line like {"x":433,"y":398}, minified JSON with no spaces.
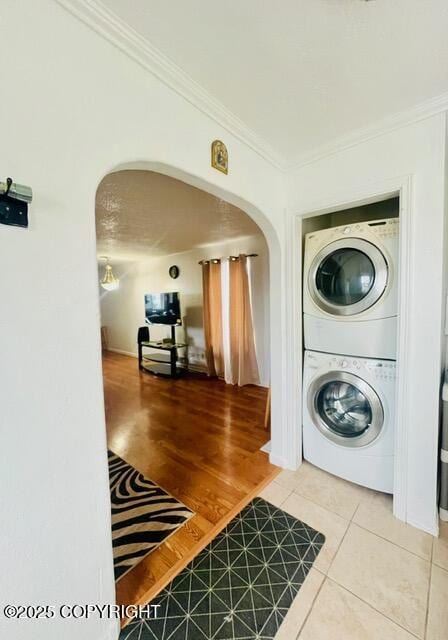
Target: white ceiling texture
{"x":302,"y":73}
{"x":143,"y":214}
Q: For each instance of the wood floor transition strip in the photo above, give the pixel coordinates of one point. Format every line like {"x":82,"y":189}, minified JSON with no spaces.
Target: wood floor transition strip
{"x":183,"y":561}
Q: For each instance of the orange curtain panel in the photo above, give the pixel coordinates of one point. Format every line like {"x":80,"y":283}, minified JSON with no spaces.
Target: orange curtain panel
{"x":212,"y":317}
{"x":243,"y":358}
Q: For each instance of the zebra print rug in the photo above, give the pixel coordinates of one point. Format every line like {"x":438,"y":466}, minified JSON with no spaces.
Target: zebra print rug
{"x":143,"y":515}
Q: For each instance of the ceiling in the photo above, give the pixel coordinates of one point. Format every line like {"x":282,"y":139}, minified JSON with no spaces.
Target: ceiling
{"x":302,"y":73}
{"x":143,"y":214}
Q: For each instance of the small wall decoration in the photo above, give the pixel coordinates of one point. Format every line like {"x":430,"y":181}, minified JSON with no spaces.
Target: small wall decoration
{"x":14,"y":201}
{"x":174,"y":271}
{"x":220,"y":157}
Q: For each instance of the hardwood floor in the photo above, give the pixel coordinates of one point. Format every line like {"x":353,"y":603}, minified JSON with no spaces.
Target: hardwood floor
{"x":196,"y":437}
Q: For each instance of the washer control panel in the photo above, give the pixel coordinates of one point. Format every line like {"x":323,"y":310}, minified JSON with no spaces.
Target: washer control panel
{"x":379,"y":369}
{"x":382,"y":370}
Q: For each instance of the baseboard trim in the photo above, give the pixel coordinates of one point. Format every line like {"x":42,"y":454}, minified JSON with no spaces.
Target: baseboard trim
{"x":433,"y":531}
{"x":443,"y":514}
{"x":280,"y":461}
{"x":196,"y":368}
{"x":266,"y":448}
{"x":123,"y":353}
{"x":192,"y":367}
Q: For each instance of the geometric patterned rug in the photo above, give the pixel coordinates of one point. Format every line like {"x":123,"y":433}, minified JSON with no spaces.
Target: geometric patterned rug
{"x":241,"y":585}
{"x":143,"y":514}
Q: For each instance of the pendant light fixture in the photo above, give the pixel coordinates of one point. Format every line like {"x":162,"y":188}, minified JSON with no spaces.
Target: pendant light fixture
{"x":109,"y":281}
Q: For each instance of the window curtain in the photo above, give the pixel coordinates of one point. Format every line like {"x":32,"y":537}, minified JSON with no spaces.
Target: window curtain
{"x":228,"y":323}
{"x":212,"y":317}
{"x":243,"y":358}
{"x":225,"y":321}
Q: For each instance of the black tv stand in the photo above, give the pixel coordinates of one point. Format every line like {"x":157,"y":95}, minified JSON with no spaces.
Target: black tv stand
{"x":161,"y":364}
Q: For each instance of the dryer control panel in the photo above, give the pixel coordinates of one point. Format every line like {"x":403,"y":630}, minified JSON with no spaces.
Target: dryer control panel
{"x":387,"y":228}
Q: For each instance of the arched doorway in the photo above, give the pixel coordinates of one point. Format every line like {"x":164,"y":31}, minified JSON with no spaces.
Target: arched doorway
{"x":285,"y":435}
{"x":133,"y":587}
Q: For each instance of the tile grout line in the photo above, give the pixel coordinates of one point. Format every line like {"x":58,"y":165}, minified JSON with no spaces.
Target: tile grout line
{"x":439,"y":566}
{"x":313,"y":600}
{"x":352,"y":521}
{"x":311,"y":607}
{"x":291,"y":492}
{"x":362,"y":599}
{"x":428,"y":597}
{"x":356,"y":511}
{"x":279,"y":506}
{"x":391,"y":542}
{"x":339,"y":547}
{"x":300,"y":495}
{"x":355,"y":595}
{"x":327,"y":577}
{"x":333,"y":513}
{"x":285,"y":499}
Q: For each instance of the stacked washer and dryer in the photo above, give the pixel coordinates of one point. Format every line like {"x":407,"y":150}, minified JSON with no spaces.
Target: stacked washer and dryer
{"x":350,"y":306}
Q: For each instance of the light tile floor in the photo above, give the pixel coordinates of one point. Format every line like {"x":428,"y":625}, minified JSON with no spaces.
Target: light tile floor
{"x":375,"y":578}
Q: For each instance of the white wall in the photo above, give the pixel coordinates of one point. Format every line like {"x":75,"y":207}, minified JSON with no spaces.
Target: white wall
{"x":122,"y":310}
{"x":418,"y":152}
{"x":75,"y":108}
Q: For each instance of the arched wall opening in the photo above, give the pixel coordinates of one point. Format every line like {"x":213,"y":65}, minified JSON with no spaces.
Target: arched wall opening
{"x":285,"y":445}
{"x":279,"y":438}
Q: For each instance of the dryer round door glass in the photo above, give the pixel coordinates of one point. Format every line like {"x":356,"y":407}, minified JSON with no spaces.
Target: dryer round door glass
{"x":348,"y":276}
{"x":346,"y":409}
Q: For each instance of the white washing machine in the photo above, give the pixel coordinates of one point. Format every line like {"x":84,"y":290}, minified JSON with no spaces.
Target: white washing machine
{"x":348,"y":417}
{"x":350,"y":289}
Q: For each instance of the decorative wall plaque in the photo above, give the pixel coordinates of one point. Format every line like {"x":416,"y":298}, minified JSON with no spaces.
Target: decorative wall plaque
{"x":220,"y":158}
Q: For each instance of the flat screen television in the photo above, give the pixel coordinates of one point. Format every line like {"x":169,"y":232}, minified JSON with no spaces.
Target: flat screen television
{"x":162,"y":308}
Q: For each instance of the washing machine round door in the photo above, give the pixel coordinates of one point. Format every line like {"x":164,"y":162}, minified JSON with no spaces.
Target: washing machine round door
{"x":345,"y":409}
{"x":348,"y":276}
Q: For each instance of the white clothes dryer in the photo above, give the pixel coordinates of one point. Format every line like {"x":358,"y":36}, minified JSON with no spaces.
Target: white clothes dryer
{"x":348,"y":417}
{"x":350,"y":288}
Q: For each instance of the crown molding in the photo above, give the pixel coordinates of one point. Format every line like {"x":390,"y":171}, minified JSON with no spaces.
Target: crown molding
{"x":107,"y":24}
{"x":398,"y":120}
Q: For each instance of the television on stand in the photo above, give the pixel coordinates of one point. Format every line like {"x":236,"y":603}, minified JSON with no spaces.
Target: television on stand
{"x":163,"y":308}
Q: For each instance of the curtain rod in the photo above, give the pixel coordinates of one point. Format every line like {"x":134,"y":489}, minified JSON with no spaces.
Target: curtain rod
{"x":233,"y":258}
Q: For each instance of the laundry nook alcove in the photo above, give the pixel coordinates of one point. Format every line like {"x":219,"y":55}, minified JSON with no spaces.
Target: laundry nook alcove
{"x":350,"y":316}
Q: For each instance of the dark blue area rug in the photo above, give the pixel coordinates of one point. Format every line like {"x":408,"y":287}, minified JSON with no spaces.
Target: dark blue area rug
{"x":241,"y":585}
